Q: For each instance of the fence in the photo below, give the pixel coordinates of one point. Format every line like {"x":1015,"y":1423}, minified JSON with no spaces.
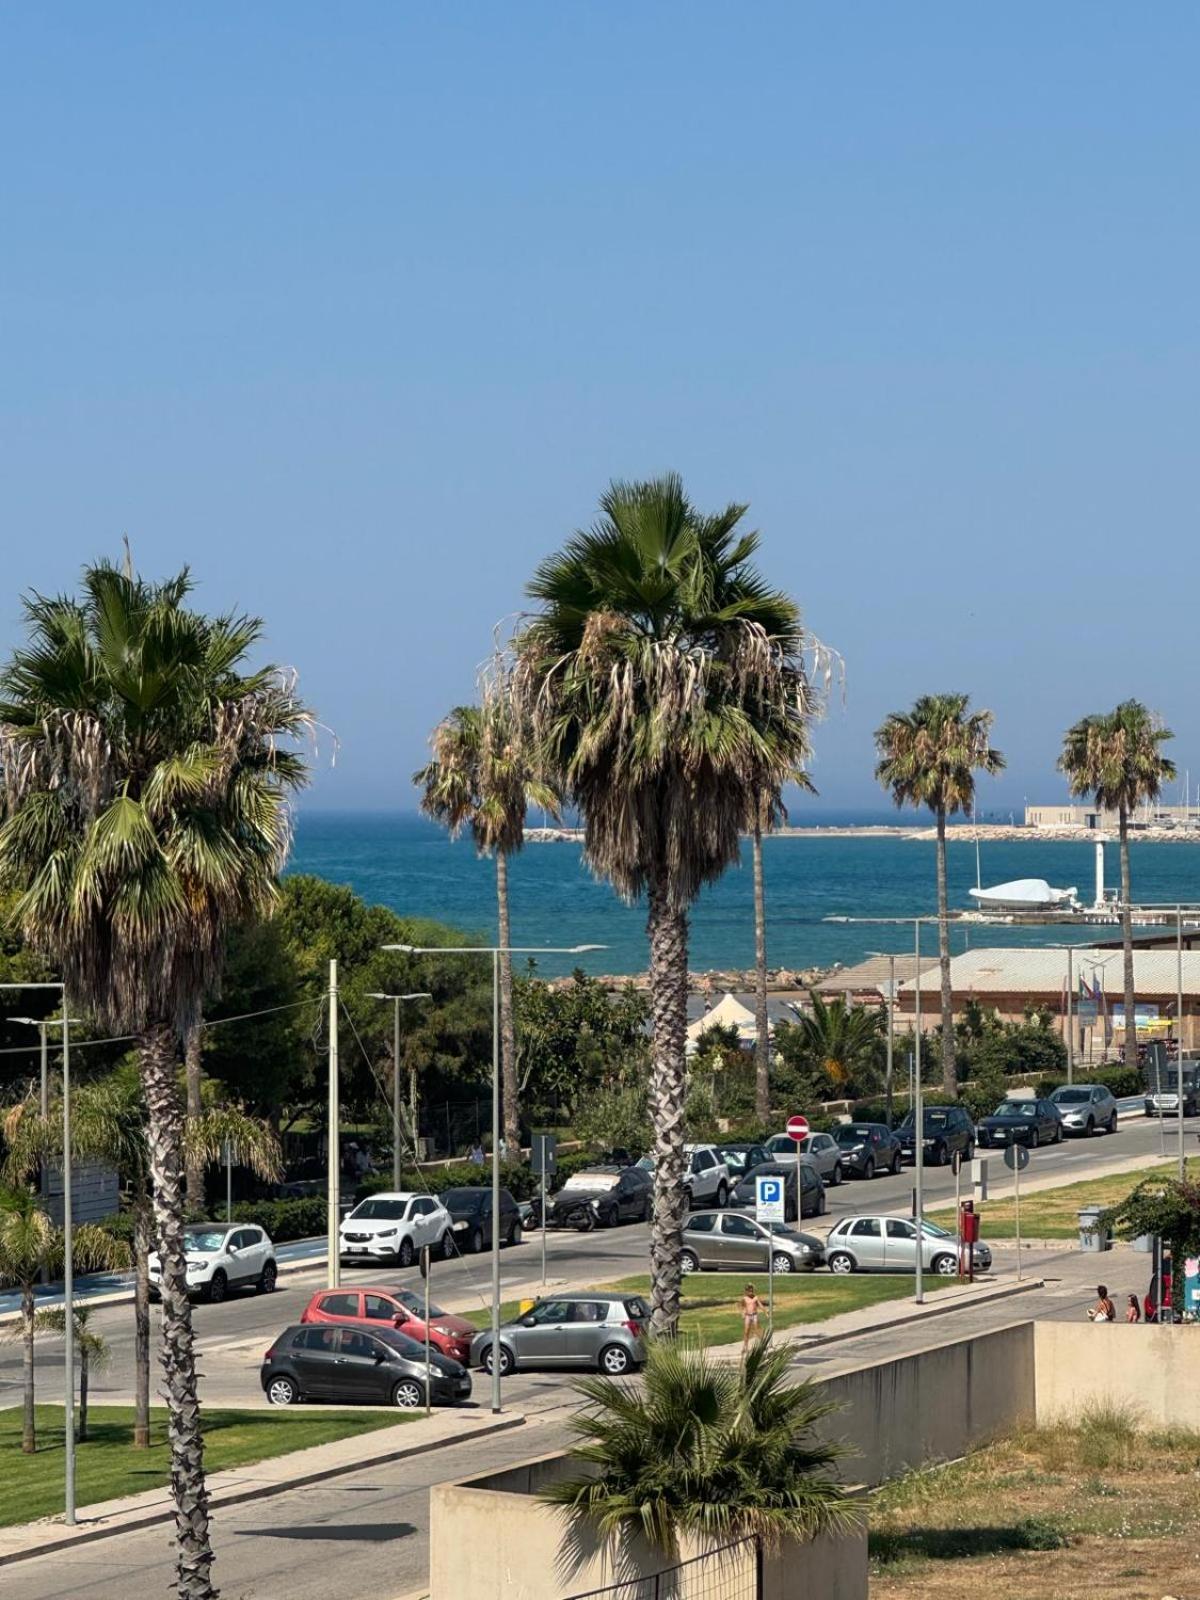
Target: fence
{"x":734,"y":1572}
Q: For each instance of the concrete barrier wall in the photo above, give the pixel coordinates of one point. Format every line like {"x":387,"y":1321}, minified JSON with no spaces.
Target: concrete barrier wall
{"x":934,"y":1405}
{"x":1155,"y":1370}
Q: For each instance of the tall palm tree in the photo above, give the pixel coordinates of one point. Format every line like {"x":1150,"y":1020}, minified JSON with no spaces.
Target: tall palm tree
{"x":92,"y":1348}
{"x":842,"y":1039}
{"x":29,"y":1241}
{"x":666,"y":685}
{"x":193,"y":1052}
{"x":1116,"y":757}
{"x":723,"y":1450}
{"x":929,"y":757}
{"x":144,"y":813}
{"x":482,"y":778}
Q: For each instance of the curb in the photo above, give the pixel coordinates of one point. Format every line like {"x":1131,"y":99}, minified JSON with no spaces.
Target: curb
{"x":149,"y":1516}
{"x":925,"y":1313}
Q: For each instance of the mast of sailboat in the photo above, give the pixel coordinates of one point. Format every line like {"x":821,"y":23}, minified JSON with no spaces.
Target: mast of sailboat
{"x":975,"y":824}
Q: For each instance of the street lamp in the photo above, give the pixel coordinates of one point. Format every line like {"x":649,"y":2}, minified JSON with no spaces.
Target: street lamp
{"x":495,"y":951}
{"x":890,"y":957}
{"x":398,"y":1000}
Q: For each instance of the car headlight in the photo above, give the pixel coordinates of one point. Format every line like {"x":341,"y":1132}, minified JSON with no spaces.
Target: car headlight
{"x":803,"y":1250}
{"x":387,"y":1233}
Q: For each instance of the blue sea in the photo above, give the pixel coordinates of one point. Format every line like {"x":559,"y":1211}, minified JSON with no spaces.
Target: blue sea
{"x":402,"y":861}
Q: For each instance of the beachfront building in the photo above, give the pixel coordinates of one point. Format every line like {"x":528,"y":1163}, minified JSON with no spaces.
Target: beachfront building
{"x":1009,"y":981}
{"x":869,"y":982}
{"x":1091,"y":817}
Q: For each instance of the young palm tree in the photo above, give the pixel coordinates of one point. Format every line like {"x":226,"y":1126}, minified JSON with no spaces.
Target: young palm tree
{"x":92,"y":1347}
{"x":29,"y":1241}
{"x":481,"y":777}
{"x":842,"y":1039}
{"x":722,"y":1450}
{"x":666,"y":686}
{"x":144,"y":813}
{"x":929,"y":757}
{"x":1116,"y":757}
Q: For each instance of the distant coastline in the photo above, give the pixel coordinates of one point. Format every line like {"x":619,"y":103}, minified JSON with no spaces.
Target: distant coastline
{"x":962,"y":833}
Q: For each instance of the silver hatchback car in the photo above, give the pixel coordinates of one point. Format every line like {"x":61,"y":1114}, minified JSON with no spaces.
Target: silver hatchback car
{"x":584,"y":1329}
{"x":720,"y":1240}
{"x":889,"y":1244}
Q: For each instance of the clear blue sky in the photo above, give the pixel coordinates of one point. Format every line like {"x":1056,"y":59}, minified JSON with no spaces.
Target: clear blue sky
{"x":356,"y":308}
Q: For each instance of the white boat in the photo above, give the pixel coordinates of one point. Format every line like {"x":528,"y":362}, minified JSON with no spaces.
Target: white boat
{"x":1022,"y":894}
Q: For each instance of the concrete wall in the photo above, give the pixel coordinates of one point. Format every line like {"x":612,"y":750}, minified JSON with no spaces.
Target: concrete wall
{"x":1153,"y":1369}
{"x":931,"y":1406}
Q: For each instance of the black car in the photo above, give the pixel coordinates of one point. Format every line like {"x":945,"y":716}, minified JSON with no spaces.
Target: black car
{"x":742,"y":1157}
{"x":1032,"y":1122}
{"x":471,"y":1218}
{"x":319,"y":1361}
{"x":810,"y":1202}
{"x":947,"y":1129}
{"x":868,"y":1148}
{"x":599,"y":1196}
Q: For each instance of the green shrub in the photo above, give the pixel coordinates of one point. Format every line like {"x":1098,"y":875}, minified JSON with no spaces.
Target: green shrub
{"x":285,"y":1219}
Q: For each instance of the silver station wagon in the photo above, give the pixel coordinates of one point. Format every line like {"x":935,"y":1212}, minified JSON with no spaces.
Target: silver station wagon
{"x":889,"y":1244}
{"x":720,"y":1240}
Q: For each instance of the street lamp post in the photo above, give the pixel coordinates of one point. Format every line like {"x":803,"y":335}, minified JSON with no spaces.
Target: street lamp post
{"x":891,"y":1028}
{"x":495,"y":951}
{"x":398,"y":1000}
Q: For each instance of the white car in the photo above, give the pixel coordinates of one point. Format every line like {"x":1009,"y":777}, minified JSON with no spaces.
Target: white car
{"x":395,"y":1228}
{"x":705,"y":1175}
{"x":222,"y":1256}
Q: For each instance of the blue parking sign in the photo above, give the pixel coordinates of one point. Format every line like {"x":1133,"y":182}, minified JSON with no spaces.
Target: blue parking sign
{"x":769,"y":1199}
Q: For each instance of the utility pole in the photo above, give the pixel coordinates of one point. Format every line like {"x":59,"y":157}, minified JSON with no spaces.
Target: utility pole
{"x":396,"y":1107}
{"x":919,"y":1123}
{"x":1070,"y":1018}
{"x":68,"y":1271}
{"x":334,"y":1157}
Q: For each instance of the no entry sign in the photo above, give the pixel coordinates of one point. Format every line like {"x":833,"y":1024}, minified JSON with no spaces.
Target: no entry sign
{"x":797,"y":1128}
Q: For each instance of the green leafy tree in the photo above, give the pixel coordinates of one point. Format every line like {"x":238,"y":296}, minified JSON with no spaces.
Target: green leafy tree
{"x":1117,"y":758}
{"x":1169,"y":1207}
{"x":575,"y":1039}
{"x":666,"y":685}
{"x":720,"y":1450}
{"x":843,"y":1040}
{"x":929,"y":757}
{"x":145,"y":776}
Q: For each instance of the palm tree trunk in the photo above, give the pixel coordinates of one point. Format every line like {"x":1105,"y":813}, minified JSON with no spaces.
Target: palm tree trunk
{"x":142,"y":1245}
{"x":668,"y":930}
{"x":1131,"y":1050}
{"x":508,"y":1038}
{"x":949,"y":1072}
{"x":28,"y":1423}
{"x":81,"y":1435}
{"x":195,"y":1168}
{"x":762,"y":1044}
{"x":194,"y":1554}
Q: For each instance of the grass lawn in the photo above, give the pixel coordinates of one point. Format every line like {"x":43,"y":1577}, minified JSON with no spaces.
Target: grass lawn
{"x":1077,"y":1512}
{"x":1054,"y":1213}
{"x":107,"y":1465}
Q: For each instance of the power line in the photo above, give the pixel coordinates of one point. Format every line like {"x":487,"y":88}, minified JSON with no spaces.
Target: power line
{"x":128,"y":1038}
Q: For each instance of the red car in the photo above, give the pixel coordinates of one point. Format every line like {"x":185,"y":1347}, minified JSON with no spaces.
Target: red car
{"x":398,"y":1308}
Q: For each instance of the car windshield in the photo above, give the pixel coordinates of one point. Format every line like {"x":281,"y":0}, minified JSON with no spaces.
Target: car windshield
{"x":1072,"y":1097}
{"x":207,"y":1239}
{"x":736,"y":1160}
{"x":847,"y":1136}
{"x":592,"y":1180}
{"x":462,"y":1199}
{"x":413,"y":1302}
{"x":935,"y":1121}
{"x":379,"y":1210}
{"x":1016,"y":1108}
{"x":647,"y":1163}
{"x":784,"y":1229}
{"x":932,"y":1228}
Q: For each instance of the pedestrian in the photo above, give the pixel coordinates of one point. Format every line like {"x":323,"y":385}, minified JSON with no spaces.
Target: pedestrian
{"x":475,"y":1154}
{"x":751,"y":1312}
{"x":1134,"y":1312}
{"x":1103,"y":1310}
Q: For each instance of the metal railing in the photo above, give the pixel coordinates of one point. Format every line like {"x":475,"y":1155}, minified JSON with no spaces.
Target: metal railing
{"x":731,"y":1573}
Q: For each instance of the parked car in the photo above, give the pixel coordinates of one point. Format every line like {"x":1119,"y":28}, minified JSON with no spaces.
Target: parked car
{"x":1021,"y":1121}
{"x":716,"y":1240}
{"x":222,"y":1256}
{"x":780,"y":1144}
{"x":393,"y":1228}
{"x":803,"y":1191}
{"x":470,"y":1212}
{"x":310,"y":1361}
{"x":946,"y":1129}
{"x":868,"y":1148}
{"x":1162,"y":1099}
{"x":820,"y":1148}
{"x":1084,"y":1107}
{"x":705,"y":1175}
{"x":742,"y":1157}
{"x":590,"y":1328}
{"x":388,"y":1305}
{"x":889,"y":1244}
{"x":599,"y":1197}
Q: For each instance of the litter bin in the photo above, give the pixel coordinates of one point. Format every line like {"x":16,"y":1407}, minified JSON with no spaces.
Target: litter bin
{"x":1091,"y":1235}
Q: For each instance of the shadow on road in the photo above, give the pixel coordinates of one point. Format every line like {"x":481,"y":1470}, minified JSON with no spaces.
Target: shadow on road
{"x":340,"y":1533}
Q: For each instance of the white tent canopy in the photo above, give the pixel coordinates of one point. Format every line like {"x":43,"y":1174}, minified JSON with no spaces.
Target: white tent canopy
{"x":729,"y":1012}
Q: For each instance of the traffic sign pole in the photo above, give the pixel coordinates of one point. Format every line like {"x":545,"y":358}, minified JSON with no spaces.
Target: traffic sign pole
{"x":770,"y":1205}
{"x":1017,"y":1210}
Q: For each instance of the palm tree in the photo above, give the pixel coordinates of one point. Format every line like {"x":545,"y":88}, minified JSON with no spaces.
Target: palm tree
{"x":841,"y":1038}
{"x":144,"y":813}
{"x":193,"y":1050}
{"x":1116,"y":757}
{"x":666,"y":686}
{"x":720,"y":1450}
{"x":93,"y":1348}
{"x":481,"y":777}
{"x":108,"y":1123}
{"x":929,"y":757}
{"x":30,"y":1241}
{"x":767,"y":812}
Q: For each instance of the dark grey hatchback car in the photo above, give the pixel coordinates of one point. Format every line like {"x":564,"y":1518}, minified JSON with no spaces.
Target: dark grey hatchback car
{"x":318,"y":1361}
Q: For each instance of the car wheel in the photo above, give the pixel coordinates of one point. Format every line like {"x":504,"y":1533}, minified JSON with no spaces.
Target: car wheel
{"x":688,"y":1261}
{"x":1058,"y":1134}
{"x":1090,"y":1129}
{"x":476,"y":1241}
{"x":408,"y":1394}
{"x":822,"y":1204}
{"x":266,"y":1282}
{"x":614,"y":1360}
{"x":514,"y":1233}
{"x":969,"y":1152}
{"x":897,"y":1164}
{"x":446,"y":1245}
{"x":1035,"y":1138}
{"x":406,"y":1255}
{"x":587,"y":1220}
{"x":837,"y":1173}
{"x":646,"y":1210}
{"x":218,"y":1288}
{"x":940,"y":1155}
{"x":841,"y":1263}
{"x":869,"y":1168}
{"x":505,"y":1363}
{"x":722,"y":1196}
{"x":1112,"y":1122}
{"x":945,"y":1266}
{"x":783,"y":1263}
{"x":282,"y":1392}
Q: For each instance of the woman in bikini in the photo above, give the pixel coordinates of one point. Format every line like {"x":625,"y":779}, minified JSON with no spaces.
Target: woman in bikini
{"x":751,"y":1311}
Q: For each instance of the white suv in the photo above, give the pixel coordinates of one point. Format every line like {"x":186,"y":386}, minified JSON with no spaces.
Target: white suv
{"x":222,"y":1256}
{"x":395,"y":1228}
{"x":706,"y":1177}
